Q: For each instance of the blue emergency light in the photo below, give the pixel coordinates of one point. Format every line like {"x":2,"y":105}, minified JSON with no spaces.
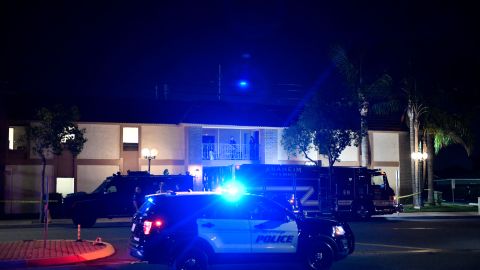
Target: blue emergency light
{"x":232,"y":191}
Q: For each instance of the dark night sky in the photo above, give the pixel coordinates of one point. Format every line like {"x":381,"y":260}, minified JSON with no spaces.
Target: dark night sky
{"x":125,"y":48}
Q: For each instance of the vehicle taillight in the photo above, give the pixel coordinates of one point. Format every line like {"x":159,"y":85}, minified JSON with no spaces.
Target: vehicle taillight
{"x":148,"y":224}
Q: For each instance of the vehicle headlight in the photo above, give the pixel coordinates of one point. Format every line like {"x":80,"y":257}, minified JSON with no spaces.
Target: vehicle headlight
{"x":338,"y":231}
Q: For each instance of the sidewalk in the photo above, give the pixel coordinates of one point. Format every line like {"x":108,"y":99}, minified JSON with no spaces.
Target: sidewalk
{"x":35,"y":222}
{"x":432,"y":215}
{"x":51,"y":252}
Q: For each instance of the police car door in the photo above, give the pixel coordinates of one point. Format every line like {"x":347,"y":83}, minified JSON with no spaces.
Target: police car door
{"x":273,"y":230}
{"x":226,"y":227}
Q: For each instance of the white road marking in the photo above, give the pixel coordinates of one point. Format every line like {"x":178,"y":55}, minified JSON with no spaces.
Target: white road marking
{"x":417,"y":228}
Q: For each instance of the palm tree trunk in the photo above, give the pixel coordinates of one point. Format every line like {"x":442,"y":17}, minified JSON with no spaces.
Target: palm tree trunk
{"x":430,"y":168}
{"x":365,"y":143}
{"x":412,"y":149}
{"x":417,"y":195}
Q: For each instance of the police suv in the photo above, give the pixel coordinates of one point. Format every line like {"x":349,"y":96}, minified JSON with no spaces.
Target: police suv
{"x":190,"y":230}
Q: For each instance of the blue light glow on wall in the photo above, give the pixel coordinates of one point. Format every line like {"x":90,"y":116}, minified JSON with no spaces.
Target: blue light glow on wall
{"x":243,"y":84}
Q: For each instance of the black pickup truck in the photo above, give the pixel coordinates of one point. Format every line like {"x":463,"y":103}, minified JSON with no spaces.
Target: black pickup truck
{"x":113,"y":198}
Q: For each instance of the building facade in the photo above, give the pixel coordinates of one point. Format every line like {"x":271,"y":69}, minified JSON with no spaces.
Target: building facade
{"x":117,"y":147}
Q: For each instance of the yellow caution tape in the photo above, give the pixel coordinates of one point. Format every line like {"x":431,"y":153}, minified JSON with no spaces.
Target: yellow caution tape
{"x":23,"y":201}
{"x":410,"y":195}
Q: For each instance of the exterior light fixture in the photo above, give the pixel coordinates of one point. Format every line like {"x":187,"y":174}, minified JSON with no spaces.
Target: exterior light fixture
{"x":149,"y":154}
{"x":419,"y":156}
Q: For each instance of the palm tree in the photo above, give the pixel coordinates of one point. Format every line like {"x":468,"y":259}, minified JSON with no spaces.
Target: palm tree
{"x":440,"y":129}
{"x":444,"y":129}
{"x":414,"y":111}
{"x":375,"y":96}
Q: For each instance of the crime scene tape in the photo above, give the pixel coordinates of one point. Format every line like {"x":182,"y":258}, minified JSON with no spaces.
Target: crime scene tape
{"x":409,"y":195}
{"x":26,"y":201}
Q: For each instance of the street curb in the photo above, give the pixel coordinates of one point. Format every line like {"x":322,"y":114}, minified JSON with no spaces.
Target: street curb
{"x":433,"y":215}
{"x":89,"y":256}
{"x":5,"y":224}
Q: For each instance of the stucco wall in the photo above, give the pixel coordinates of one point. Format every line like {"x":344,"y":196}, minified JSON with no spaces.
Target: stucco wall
{"x":350,"y":153}
{"x":90,"y":176}
{"x":405,"y":164}
{"x":271,"y":146}
{"x":194,"y":138}
{"x":169,"y":140}
{"x":23,"y":187}
{"x":158,"y":169}
{"x":103,"y":141}
{"x":385,"y":146}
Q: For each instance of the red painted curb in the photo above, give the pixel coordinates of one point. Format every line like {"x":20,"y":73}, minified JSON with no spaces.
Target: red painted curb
{"x":108,"y":250}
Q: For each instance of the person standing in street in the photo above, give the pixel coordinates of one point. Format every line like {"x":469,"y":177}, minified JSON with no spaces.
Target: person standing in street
{"x":138,"y":198}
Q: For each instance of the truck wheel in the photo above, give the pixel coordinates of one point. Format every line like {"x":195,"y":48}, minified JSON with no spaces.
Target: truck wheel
{"x":320,"y":257}
{"x":194,"y":259}
{"x":363,"y":212}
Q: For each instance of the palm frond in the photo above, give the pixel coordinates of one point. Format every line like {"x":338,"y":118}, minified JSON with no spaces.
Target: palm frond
{"x":380,"y":88}
{"x":344,"y":66}
{"x":386,"y":107}
{"x":449,"y":129}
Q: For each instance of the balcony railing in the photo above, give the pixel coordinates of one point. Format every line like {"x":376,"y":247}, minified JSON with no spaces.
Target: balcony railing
{"x":225,"y":151}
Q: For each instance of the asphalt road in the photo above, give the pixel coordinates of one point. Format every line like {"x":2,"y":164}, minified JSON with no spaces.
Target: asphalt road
{"x":411,"y":243}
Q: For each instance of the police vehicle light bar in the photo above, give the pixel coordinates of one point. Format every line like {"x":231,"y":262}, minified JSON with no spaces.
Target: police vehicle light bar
{"x":232,"y":191}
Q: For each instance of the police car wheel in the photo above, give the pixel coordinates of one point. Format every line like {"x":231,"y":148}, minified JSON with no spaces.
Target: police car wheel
{"x":194,"y":259}
{"x":320,"y":257}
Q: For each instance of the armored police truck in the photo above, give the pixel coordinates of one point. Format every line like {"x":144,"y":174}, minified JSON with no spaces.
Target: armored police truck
{"x":350,"y":192}
{"x":190,"y":230}
{"x":114,"y":196}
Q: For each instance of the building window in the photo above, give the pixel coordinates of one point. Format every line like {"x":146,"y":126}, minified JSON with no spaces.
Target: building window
{"x":130,"y":139}
{"x":65,"y":185}
{"x":10,"y":138}
{"x":16,"y":138}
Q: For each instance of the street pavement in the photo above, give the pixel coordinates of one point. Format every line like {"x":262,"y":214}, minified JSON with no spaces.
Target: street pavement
{"x":61,"y":251}
{"x":50,"y":252}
